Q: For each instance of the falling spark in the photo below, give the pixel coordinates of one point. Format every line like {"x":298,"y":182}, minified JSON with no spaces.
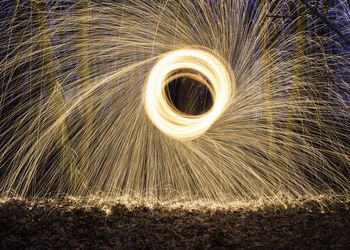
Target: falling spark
{"x":85,"y":108}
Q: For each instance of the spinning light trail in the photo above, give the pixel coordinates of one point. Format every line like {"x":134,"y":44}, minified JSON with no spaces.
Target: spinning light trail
{"x":166,"y":117}
{"x":215,"y":100}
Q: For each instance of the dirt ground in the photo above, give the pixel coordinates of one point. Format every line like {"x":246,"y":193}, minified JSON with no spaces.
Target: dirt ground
{"x":57,"y":225}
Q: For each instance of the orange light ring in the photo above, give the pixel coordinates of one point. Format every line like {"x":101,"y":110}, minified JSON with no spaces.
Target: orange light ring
{"x":220,"y":82}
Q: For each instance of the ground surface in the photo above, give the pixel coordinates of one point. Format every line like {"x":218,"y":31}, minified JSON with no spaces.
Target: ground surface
{"x":48,"y":225}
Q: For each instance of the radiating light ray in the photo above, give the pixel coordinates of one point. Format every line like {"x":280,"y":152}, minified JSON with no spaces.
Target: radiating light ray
{"x":84,"y":108}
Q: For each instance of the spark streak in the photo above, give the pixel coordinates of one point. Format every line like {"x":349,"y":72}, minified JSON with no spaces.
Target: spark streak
{"x":87,"y":101}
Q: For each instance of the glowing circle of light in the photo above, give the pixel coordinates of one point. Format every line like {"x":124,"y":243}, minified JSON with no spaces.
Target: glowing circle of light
{"x":220,"y":82}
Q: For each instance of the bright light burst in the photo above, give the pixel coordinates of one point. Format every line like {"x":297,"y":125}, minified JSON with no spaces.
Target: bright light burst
{"x":166,"y":117}
{"x":85,"y":103}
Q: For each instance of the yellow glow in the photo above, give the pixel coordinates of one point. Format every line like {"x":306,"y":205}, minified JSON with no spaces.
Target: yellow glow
{"x":86,"y":109}
{"x":165,"y":117}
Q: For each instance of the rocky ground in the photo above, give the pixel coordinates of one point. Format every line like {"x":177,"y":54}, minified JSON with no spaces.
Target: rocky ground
{"x":53,"y":225}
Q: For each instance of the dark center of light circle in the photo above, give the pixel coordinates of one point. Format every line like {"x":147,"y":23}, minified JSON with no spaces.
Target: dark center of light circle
{"x":189,"y":96}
